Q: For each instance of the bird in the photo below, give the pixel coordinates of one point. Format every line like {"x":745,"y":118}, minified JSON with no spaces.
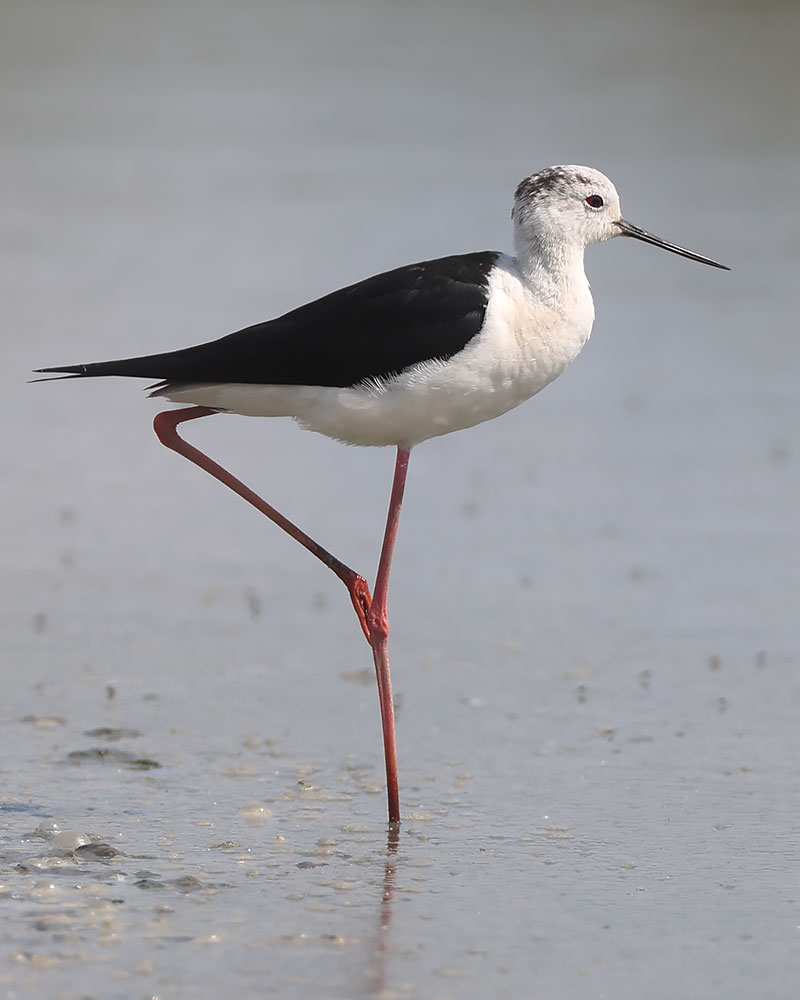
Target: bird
{"x":402,"y":357}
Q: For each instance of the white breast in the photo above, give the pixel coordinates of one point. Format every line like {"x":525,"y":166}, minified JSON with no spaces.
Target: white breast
{"x":523,"y":345}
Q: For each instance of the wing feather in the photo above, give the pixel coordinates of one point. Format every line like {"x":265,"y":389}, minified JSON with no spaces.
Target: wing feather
{"x":370,"y":330}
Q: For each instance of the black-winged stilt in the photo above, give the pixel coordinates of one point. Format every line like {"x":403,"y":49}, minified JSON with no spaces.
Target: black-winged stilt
{"x":404,"y":356}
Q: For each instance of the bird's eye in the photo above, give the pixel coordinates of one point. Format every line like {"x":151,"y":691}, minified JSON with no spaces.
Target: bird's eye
{"x":594,"y":201}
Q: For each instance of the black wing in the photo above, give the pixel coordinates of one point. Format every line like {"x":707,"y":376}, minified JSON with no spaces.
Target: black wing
{"x":373,"y":329}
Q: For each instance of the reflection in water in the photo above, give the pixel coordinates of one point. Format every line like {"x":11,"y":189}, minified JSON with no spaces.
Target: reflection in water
{"x":375,"y":975}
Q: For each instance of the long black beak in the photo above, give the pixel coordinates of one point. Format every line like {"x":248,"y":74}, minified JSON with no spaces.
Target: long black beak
{"x":626,"y":229}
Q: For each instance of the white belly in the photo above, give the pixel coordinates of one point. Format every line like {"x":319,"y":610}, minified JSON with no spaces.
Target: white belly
{"x":522,"y":346}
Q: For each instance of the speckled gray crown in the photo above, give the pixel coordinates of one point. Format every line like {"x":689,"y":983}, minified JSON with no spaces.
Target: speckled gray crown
{"x":546,"y":181}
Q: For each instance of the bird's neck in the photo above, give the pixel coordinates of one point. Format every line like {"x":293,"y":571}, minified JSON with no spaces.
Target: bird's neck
{"x":553,"y":270}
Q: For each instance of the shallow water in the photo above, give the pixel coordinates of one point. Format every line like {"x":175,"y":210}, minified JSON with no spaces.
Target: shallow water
{"x":594,"y":602}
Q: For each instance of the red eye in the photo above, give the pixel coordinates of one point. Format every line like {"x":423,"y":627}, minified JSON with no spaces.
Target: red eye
{"x":594,"y":201}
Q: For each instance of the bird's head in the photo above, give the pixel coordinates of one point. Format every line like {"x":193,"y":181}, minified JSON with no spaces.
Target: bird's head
{"x":564,"y":208}
{"x":566,"y":204}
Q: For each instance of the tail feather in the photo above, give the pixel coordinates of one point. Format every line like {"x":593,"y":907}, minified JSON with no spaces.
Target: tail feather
{"x":151,"y":366}
{"x":50,"y":378}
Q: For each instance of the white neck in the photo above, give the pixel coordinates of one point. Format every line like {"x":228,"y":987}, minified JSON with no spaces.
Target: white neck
{"x":554,"y":270}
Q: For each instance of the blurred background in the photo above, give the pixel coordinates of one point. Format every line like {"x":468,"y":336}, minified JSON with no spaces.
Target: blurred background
{"x":594,"y":600}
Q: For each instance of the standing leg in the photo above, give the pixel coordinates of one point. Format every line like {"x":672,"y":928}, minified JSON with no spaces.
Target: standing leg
{"x":165,"y":426}
{"x":371,"y":612}
{"x":378,"y":626}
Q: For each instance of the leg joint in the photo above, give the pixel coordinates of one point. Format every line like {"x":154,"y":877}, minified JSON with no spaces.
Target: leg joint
{"x":378,"y":624}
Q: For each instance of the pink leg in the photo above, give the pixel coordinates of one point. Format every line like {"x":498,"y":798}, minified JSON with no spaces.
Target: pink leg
{"x":378,"y":625}
{"x":165,"y":426}
{"x":371,"y":612}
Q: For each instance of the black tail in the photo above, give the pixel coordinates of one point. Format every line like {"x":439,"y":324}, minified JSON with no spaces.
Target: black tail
{"x":229,"y":359}
{"x":152,"y":366}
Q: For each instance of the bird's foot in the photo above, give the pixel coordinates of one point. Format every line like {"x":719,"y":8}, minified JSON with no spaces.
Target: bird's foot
{"x":362,"y":602}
